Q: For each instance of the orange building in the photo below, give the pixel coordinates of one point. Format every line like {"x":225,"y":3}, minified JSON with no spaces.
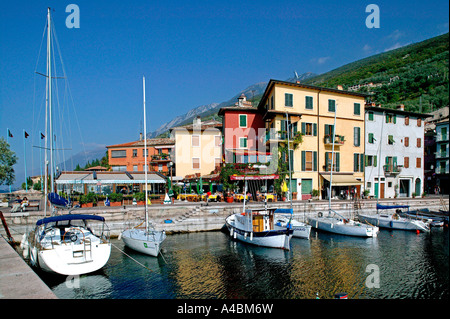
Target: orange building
{"x":130,"y":156}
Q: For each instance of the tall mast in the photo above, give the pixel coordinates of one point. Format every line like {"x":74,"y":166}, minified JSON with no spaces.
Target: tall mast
{"x":50,"y":110}
{"x":379,"y":162}
{"x":289,"y":159}
{"x":145,"y":158}
{"x":47,"y":103}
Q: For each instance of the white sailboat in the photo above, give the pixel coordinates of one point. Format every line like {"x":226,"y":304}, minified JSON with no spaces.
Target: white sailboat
{"x":394,"y":220}
{"x":336,"y":223}
{"x":257,"y":227}
{"x":284,"y":218}
{"x":71,"y":244}
{"x":144,"y":240}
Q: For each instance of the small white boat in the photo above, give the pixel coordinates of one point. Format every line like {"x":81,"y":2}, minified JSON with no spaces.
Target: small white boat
{"x":144,"y":241}
{"x":300,"y":229}
{"x":256,"y":227}
{"x":69,"y":244}
{"x":339,"y":225}
{"x":393,"y":220}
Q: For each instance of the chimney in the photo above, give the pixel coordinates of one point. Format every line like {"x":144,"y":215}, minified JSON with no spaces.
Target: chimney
{"x":298,"y":82}
{"x":340,"y":87}
{"x":241,"y":100}
{"x":401,"y":107}
{"x":197,"y":122}
{"x":140,"y":136}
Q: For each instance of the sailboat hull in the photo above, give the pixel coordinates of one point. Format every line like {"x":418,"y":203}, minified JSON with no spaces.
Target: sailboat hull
{"x":300,"y":230}
{"x":333,"y":225}
{"x":386,"y":221}
{"x":143,"y":242}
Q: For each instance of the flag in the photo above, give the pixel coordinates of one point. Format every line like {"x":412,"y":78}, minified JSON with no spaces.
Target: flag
{"x":26,"y":134}
{"x":9,"y":133}
{"x":42,"y":136}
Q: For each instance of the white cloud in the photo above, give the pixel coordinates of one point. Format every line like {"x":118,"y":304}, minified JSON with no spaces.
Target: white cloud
{"x":320,"y":60}
{"x":367,"y":48}
{"x":397,"y":34}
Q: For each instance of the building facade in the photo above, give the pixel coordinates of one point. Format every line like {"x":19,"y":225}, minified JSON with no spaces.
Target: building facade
{"x":198,"y":147}
{"x":394,"y":153}
{"x":243,"y":127}
{"x":298,"y":111}
{"x":442,"y":156}
{"x":131,"y":156}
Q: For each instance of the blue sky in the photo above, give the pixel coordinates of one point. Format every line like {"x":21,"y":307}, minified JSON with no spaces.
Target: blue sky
{"x":191,"y":52}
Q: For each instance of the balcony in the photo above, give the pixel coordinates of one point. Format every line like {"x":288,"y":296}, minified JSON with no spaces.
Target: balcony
{"x":441,"y":154}
{"x":282,"y":136}
{"x":161,"y":158}
{"x":441,"y":137}
{"x":392,"y":170}
{"x":338,"y":140}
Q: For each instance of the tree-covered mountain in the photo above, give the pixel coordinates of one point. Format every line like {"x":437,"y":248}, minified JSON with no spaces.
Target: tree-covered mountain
{"x":415,"y":75}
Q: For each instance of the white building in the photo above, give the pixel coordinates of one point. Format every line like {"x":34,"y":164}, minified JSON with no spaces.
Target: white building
{"x":394,"y":152}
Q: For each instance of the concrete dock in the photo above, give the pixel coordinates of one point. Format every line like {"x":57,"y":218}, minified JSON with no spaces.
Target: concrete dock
{"x":17,"y":279}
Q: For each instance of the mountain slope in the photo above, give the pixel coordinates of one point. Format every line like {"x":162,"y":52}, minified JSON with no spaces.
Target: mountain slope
{"x":415,"y":75}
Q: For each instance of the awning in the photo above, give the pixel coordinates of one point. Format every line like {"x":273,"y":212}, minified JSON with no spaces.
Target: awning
{"x":342,"y":180}
{"x":248,"y":152}
{"x":253,"y":177}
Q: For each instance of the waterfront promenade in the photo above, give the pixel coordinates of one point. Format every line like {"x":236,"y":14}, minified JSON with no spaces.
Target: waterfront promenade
{"x":17,"y":279}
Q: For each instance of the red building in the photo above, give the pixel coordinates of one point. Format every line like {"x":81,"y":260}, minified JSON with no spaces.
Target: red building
{"x":131,"y":157}
{"x":243,"y":131}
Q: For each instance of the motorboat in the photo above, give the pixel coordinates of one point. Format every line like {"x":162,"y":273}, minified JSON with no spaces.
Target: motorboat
{"x":284,"y":218}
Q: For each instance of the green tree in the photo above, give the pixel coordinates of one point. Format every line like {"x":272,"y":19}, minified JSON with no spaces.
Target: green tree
{"x":7,"y":160}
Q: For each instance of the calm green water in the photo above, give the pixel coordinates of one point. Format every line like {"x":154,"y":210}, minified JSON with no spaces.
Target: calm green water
{"x":210,"y":265}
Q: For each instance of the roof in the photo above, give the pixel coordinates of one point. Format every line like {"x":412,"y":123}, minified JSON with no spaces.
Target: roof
{"x":396,"y":111}
{"x":202,"y":126}
{"x":55,"y":219}
{"x":273,"y":82}
{"x":150,"y":142}
{"x":237,"y":109}
{"x":109,"y":178}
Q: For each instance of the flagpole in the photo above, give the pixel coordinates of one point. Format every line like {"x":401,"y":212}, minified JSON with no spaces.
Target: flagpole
{"x":7,"y":141}
{"x":40,"y":158}
{"x":25,"y":160}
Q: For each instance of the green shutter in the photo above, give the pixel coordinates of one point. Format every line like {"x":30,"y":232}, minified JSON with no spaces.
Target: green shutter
{"x":331,"y":105}
{"x":361,"y":166}
{"x":338,"y":168}
{"x":242,"y":120}
{"x":371,"y":138}
{"x":355,"y":162}
{"x":326,"y":161}
{"x":356,"y":108}
{"x":315,"y":161}
{"x":395,"y":118}
{"x":370,"y":116}
{"x":387,"y":118}
{"x":304,"y":128}
{"x":303,"y":161}
{"x":291,"y":159}
{"x":315,"y":129}
{"x":375,"y":161}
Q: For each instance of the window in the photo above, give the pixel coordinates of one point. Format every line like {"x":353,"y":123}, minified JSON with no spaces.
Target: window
{"x":419,"y":122}
{"x":309,"y":161}
{"x":406,"y":162}
{"x":418,"y":162}
{"x":419,"y":142}
{"x":160,"y":167}
{"x":406,"y":120}
{"x":389,"y":184}
{"x":144,"y":152}
{"x":370,"y":116}
{"x":329,"y":129}
{"x":272,"y":103}
{"x":195,"y":140}
{"x":331,"y":106}
{"x":288,"y":99}
{"x":371,"y":160}
{"x":358,"y":162}
{"x":135,"y":168}
{"x":242,"y":142}
{"x":309,"y":102}
{"x":356,"y":109}
{"x":309,"y":129}
{"x":390,"y":140}
{"x":356,"y":136}
{"x":217,"y":140}
{"x":307,"y":186}
{"x":119,"y":154}
{"x":242,"y":120}
{"x":371,"y":139}
{"x":336,"y":163}
{"x":134,"y":152}
{"x":119,"y":168}
{"x":406,"y":141}
{"x":196,"y":163}
{"x":391,"y":118}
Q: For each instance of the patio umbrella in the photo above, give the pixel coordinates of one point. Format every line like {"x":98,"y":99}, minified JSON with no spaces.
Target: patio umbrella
{"x":169,"y":184}
{"x":284,"y":187}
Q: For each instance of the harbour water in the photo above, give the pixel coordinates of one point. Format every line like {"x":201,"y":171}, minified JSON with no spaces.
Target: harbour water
{"x":209,"y":265}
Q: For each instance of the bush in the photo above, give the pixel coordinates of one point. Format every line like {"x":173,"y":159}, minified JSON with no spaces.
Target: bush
{"x":116,"y":197}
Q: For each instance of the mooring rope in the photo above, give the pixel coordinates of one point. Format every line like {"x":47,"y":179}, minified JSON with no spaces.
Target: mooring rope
{"x":131,"y":257}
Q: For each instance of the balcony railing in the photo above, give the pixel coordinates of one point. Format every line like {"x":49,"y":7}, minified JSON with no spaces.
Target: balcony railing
{"x":338,"y":140}
{"x":161,"y":157}
{"x":441,"y":154}
{"x":390,"y":169}
{"x":441,"y":137}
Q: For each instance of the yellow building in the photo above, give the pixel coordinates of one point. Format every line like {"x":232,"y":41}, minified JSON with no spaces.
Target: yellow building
{"x":310,"y":110}
{"x":198,"y":147}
